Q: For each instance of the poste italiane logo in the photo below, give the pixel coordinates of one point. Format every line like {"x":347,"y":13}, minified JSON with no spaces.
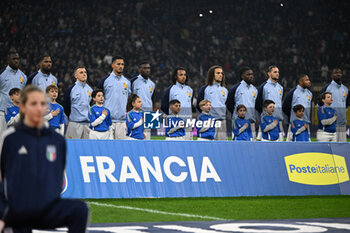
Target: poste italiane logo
{"x":316,"y":168}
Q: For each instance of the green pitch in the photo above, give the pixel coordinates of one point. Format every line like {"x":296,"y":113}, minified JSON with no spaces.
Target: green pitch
{"x":209,"y":209}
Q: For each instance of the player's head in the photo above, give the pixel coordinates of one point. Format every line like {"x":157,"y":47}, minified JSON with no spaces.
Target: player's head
{"x":15,"y":95}
{"x":269,"y":107}
{"x":45,"y":63}
{"x":118,"y":65}
{"x":80,"y":74}
{"x":304,"y":81}
{"x":299,"y":110}
{"x":205,"y":106}
{"x":273,"y":73}
{"x":326,"y":98}
{"x":246,"y":74}
{"x":145,"y":69}
{"x":241,"y":111}
{"x":175,"y":106}
{"x":98,"y":96}
{"x":215,"y":74}
{"x":13,"y":59}
{"x":179,"y":75}
{"x":33,"y":106}
{"x":52,"y":92}
{"x":134,"y":102}
{"x":337,"y":75}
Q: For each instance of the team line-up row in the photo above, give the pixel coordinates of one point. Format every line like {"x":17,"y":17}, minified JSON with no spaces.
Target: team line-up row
{"x":119,"y":104}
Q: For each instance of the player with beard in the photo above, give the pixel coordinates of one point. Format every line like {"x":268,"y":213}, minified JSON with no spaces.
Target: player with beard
{"x":180,"y":91}
{"x":10,"y":77}
{"x":215,"y":91}
{"x":298,"y":95}
{"x":244,"y":93}
{"x":143,"y":86}
{"x":271,"y":90}
{"x":117,"y":90}
{"x":43,"y":77}
{"x":341,"y":101}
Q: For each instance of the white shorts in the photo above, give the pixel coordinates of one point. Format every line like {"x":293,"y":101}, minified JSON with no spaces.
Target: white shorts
{"x":265,"y":140}
{"x":118,"y":130}
{"x":289,"y":134}
{"x":221,"y":132}
{"x":341,"y":134}
{"x":3,"y":125}
{"x":147,"y":133}
{"x":253,"y":131}
{"x":204,"y":139}
{"x":76,"y":130}
{"x":99,"y":135}
{"x":188,"y":134}
{"x":181,"y":138}
{"x":325,"y":136}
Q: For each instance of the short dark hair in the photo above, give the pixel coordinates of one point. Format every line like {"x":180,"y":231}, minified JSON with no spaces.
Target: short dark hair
{"x":48,"y":88}
{"x":14,"y":91}
{"x":269,"y":69}
{"x":174,"y":75}
{"x":144,"y":63}
{"x":336,"y":68}
{"x":117,"y":57}
{"x":94,"y":93}
{"x":240,"y":106}
{"x":298,"y":107}
{"x":172,"y":102}
{"x":300,"y":77}
{"x":267,"y":103}
{"x":242,"y":70}
{"x":323,"y":95}
{"x":42,"y":56}
{"x":11,"y":52}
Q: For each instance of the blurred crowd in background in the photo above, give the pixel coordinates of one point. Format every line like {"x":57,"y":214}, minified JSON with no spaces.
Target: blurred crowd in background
{"x":309,"y":37}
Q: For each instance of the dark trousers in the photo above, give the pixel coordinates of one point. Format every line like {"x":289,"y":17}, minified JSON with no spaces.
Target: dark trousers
{"x":62,"y":213}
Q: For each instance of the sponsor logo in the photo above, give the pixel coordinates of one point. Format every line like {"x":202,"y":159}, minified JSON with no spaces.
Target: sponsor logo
{"x":316,"y":168}
{"x":151,"y":120}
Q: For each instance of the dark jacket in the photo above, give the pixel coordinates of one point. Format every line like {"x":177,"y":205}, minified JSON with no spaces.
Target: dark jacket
{"x":32,"y":168}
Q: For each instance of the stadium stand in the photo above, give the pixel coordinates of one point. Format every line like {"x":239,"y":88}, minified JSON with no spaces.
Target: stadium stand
{"x":298,"y":36}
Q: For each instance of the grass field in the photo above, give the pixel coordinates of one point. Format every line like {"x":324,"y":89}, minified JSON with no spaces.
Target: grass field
{"x":208,"y":209}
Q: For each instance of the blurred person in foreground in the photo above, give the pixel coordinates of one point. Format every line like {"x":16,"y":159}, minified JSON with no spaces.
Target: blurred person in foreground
{"x":33,"y":159}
